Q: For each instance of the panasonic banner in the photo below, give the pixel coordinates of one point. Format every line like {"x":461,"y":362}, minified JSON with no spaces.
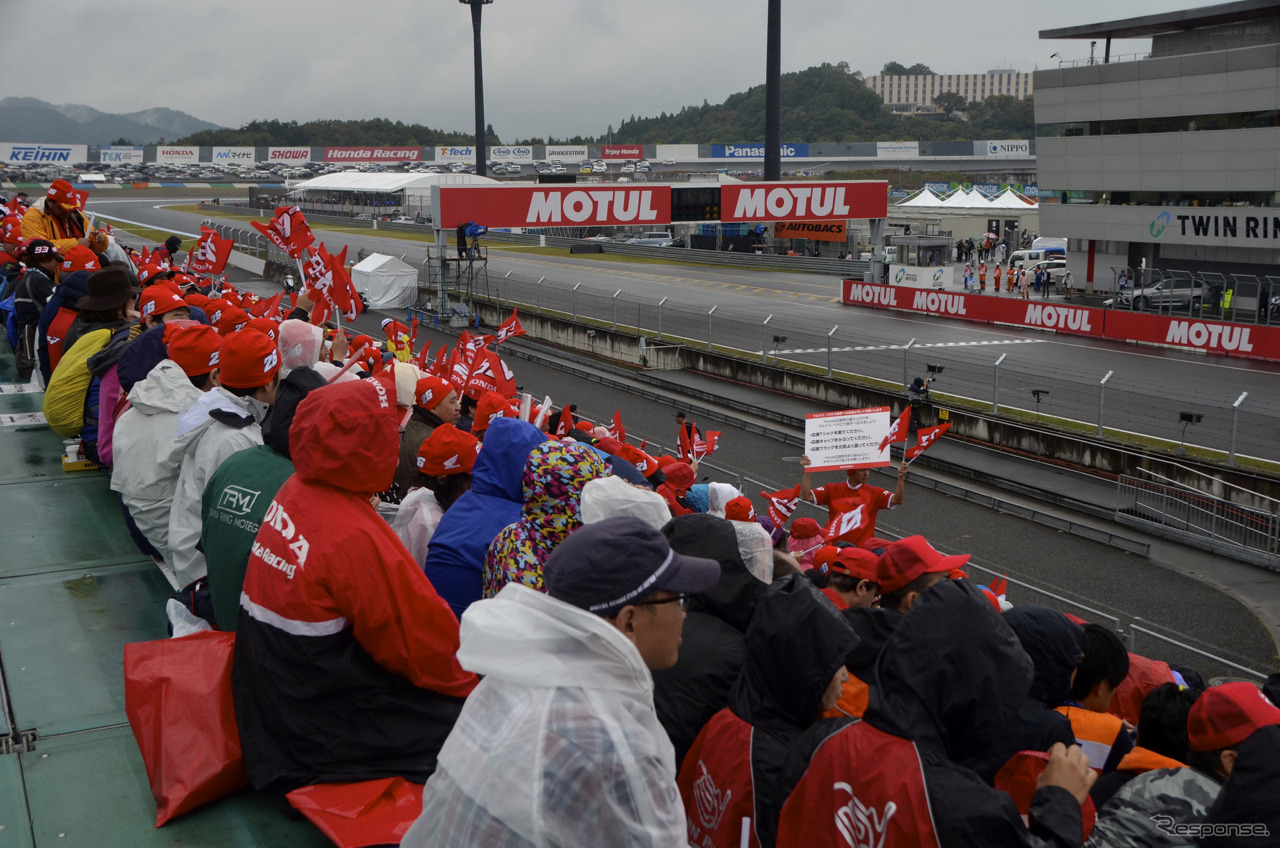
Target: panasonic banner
{"x":754,"y":150}
{"x":121,"y":155}
{"x":43,"y":154}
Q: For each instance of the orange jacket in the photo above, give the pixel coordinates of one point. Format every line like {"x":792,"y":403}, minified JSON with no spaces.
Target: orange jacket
{"x":39,"y":224}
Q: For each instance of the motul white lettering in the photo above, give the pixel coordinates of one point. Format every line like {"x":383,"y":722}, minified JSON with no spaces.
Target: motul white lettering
{"x":627,"y":211}
{"x":787,"y":202}
{"x":1208,"y":335}
{"x":930,"y":301}
{"x":579,"y":206}
{"x":873,"y":294}
{"x":750,"y":204}
{"x":1060,"y":317}
{"x":822,"y":201}
{"x":779,"y":203}
{"x":602,"y":199}
{"x":544,"y":207}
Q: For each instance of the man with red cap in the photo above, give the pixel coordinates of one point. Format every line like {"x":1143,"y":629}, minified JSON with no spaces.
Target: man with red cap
{"x":851,"y":575}
{"x":56,"y":217}
{"x":145,"y":467}
{"x":852,"y":505}
{"x":435,"y":402}
{"x":221,"y":422}
{"x":445,"y":460}
{"x":345,"y":666}
{"x":489,"y":408}
{"x":1242,"y":723}
{"x":159,"y":305}
{"x":29,"y":298}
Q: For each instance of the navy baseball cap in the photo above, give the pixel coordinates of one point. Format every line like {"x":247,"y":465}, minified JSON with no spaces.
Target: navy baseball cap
{"x":604,"y":566}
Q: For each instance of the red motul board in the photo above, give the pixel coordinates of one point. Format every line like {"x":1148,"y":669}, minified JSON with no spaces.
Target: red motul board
{"x":1195,"y":334}
{"x":554,"y":206}
{"x":803,"y":201}
{"x":373,"y":154}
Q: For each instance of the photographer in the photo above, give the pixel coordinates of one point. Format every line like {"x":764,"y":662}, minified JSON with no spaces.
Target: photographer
{"x":918,"y":397}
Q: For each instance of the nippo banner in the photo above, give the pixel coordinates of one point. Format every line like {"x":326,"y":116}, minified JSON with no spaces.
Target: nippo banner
{"x":373,"y":154}
{"x":740,"y":202}
{"x":833,"y":231}
{"x":849,"y":438}
{"x":621,"y":151}
{"x":554,"y":206}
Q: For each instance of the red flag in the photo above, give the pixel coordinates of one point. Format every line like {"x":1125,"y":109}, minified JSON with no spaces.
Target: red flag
{"x":423,"y":359}
{"x":505,"y":377}
{"x":345,"y":296}
{"x":288,"y":230}
{"x":441,"y":366}
{"x":782,"y":503}
{"x":459,"y":371}
{"x":413,"y":334}
{"x":703,"y":449}
{"x":644,"y":463}
{"x":483,"y":377}
{"x":265,"y":308}
{"x":565,"y":424}
{"x":144,"y":258}
{"x":927,"y":437}
{"x":684,"y":450}
{"x":617,"y":431}
{"x":846,"y":522}
{"x":897,"y":430}
{"x":509,"y":329}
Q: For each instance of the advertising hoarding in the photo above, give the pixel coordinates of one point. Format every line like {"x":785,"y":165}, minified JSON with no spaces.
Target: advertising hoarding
{"x":834,"y":201}
{"x":17,"y":153}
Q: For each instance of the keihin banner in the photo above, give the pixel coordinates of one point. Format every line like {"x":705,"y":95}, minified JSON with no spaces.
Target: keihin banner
{"x":567,"y":152}
{"x":1006,"y":148}
{"x":233,"y":156}
{"x":120,"y":155}
{"x":372,"y":154}
{"x":43,"y":154}
{"x":740,"y":202}
{"x":455,"y":154}
{"x":520,"y":153}
{"x":293,"y":155}
{"x":554,"y":206}
{"x":177,"y":155}
{"x":897,"y":149}
{"x":756,"y":151}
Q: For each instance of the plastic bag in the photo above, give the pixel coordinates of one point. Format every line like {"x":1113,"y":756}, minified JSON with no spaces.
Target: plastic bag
{"x":356,"y":815}
{"x":177,"y":695}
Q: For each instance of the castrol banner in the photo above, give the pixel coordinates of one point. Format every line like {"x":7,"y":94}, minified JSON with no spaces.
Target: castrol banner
{"x":554,"y":206}
{"x":835,"y":201}
{"x":373,"y":154}
{"x":1195,"y":334}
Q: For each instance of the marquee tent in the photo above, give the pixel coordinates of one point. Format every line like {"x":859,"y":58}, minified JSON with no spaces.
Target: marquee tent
{"x":386,"y":282}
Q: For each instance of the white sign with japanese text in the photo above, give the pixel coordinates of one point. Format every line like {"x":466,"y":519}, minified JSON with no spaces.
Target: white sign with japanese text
{"x":850,"y":438}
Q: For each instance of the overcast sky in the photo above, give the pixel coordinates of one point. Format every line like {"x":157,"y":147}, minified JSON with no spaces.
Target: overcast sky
{"x":552,"y":67}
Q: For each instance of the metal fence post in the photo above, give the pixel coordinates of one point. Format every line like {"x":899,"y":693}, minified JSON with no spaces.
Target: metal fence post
{"x":573,"y":301}
{"x":1235,"y":414}
{"x":709,"y":314}
{"x":906,"y":353}
{"x":615,"y":308}
{"x":538,"y":294}
{"x":1102,"y":392}
{"x":995,"y":385}
{"x":829,"y":335}
{"x":764,"y":347}
{"x":664,"y":300}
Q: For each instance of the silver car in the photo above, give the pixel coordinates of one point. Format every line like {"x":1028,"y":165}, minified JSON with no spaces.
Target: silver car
{"x":1172,"y":294}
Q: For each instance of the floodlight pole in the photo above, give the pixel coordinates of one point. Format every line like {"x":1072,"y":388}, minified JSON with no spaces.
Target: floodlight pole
{"x":773,"y":93}
{"x":481,"y":154}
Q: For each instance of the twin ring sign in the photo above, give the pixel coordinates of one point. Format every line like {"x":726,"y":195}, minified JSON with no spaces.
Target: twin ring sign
{"x":850,"y":438}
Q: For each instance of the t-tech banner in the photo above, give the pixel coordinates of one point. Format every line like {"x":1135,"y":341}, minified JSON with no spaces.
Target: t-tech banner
{"x":1208,"y":336}
{"x":233,"y":155}
{"x":292,"y":155}
{"x":740,"y":202}
{"x":177,"y":155}
{"x":519,"y":153}
{"x":756,"y":151}
{"x":372,"y":154}
{"x":455,"y":154}
{"x":812,"y":230}
{"x":38,"y":154}
{"x":553,"y":206}
{"x":621,"y":151}
{"x":1078,"y":320}
{"x":120,"y":155}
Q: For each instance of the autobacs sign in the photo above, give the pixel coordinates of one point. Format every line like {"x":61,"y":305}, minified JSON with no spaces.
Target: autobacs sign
{"x":554,"y":206}
{"x":803,"y":201}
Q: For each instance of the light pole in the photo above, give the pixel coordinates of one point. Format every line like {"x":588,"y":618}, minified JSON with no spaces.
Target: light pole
{"x":773,"y":93}
{"x":482,"y":159}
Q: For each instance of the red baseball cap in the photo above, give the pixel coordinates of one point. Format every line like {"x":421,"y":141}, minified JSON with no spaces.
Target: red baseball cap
{"x":196,"y":299}
{"x":80,"y":258}
{"x":152,"y":273}
{"x":1226,"y":715}
{"x":491,"y":407}
{"x":214,"y":308}
{"x":12,"y":228}
{"x":430,"y":391}
{"x":195,"y":349}
{"x":61,"y":193}
{"x":447,"y":451}
{"x":231,"y":319}
{"x":157,"y":300}
{"x":266,"y":326}
{"x":740,"y":509}
{"x":858,"y":563}
{"x":909,"y":558}
{"x":805,"y":528}
{"x":609,"y":445}
{"x":247,"y":360}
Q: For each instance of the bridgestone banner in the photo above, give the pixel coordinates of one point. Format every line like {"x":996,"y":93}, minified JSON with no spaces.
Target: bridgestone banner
{"x":554,"y":206}
{"x":803,"y":201}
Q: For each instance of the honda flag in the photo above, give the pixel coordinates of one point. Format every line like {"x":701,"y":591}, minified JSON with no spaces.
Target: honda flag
{"x":210,"y":254}
{"x":288,"y":230}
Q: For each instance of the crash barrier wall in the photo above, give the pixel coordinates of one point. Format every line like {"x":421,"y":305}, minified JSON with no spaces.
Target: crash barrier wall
{"x":1189,"y":333}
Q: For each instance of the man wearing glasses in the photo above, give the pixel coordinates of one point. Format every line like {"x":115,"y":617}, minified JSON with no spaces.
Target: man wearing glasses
{"x":560,"y":743}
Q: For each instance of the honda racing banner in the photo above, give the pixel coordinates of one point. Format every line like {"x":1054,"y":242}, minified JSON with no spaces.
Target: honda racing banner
{"x":373,"y":154}
{"x":121,"y":155}
{"x":554,"y":206}
{"x":742,"y":202}
{"x":621,"y":151}
{"x":233,"y":156}
{"x":43,"y":154}
{"x":177,"y":155}
{"x":291,"y":155}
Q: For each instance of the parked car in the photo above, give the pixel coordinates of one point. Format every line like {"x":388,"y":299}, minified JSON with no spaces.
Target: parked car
{"x":653,"y":239}
{"x":628,"y":168}
{"x":585,"y":169}
{"x":513,"y":168}
{"x":1171,"y":294}
{"x":1055,"y":268}
{"x":599,"y":168}
{"x":668,"y":161}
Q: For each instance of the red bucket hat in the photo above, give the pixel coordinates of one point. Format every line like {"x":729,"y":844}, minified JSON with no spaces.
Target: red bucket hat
{"x":195,"y":349}
{"x":247,"y":360}
{"x":448,"y":451}
{"x":80,"y":258}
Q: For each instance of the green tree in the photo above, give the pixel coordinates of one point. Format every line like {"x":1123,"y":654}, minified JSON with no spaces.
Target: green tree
{"x":893,"y":69}
{"x":949,"y":101}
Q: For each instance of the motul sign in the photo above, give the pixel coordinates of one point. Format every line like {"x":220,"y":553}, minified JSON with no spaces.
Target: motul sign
{"x":554,"y":206}
{"x":372,"y":154}
{"x":803,"y":201}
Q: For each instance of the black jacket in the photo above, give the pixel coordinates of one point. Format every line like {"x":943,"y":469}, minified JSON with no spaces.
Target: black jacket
{"x":874,"y":626}
{"x":1251,"y":795}
{"x":31,"y":295}
{"x":1053,"y":642}
{"x":795,"y":645}
{"x":687,"y":695}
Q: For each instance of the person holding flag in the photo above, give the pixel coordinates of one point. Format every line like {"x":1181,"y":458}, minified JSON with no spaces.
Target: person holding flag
{"x":398,"y":339}
{"x":852,"y":505}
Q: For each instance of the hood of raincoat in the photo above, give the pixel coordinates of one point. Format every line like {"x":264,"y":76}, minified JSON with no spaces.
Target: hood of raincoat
{"x":499,"y":468}
{"x":794,"y":646}
{"x":347,"y":436}
{"x":300,"y":382}
{"x":952,"y":673}
{"x":733,"y":599}
{"x":554,"y":475}
{"x":165,"y":389}
{"x":137,"y":360}
{"x":1054,"y":643}
{"x":525,"y":637}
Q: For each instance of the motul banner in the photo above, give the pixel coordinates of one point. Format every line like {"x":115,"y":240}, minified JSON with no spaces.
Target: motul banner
{"x":177,"y":155}
{"x":372,"y":154}
{"x":1195,"y":334}
{"x":814,"y":231}
{"x":295,"y":155}
{"x":740,"y":202}
{"x":621,"y":151}
{"x":554,"y":206}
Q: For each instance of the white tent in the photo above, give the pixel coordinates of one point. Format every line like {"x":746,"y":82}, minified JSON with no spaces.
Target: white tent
{"x":961,"y":199}
{"x":1008,"y":199}
{"x":386,"y":282}
{"x":924,"y":198}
